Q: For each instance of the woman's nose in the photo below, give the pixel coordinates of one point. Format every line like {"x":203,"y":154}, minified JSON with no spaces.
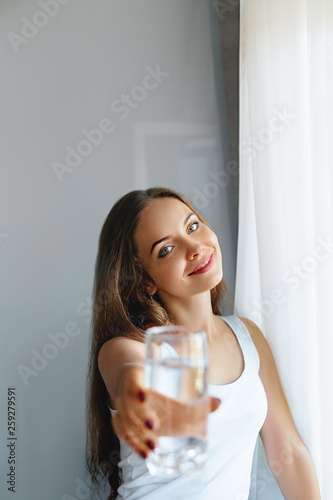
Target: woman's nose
{"x":193,"y":249}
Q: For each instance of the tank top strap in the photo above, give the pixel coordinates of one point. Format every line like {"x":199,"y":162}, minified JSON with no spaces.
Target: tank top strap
{"x":168,"y":351}
{"x":250,"y":353}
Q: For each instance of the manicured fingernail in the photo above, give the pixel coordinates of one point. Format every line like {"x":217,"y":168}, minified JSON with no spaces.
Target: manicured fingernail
{"x":143,"y":454}
{"x":142,"y":396}
{"x":149,"y":423}
{"x":150,"y":444}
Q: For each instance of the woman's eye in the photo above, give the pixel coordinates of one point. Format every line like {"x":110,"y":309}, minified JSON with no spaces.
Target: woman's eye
{"x":164,"y":251}
{"x":193,"y":227}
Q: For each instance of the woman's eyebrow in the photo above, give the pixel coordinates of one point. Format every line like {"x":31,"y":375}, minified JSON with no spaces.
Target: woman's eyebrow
{"x":169,"y":236}
{"x":157,"y":242}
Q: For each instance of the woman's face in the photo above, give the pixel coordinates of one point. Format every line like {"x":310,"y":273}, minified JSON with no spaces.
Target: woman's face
{"x":181,"y":254}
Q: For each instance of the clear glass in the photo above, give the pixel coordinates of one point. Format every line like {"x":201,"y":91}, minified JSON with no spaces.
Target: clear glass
{"x":176,"y":373}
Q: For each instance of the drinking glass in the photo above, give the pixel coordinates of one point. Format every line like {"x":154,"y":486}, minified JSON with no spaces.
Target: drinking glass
{"x":176,"y":374}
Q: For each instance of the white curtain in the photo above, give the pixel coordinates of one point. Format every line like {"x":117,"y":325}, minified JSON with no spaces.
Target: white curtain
{"x":285,"y":249}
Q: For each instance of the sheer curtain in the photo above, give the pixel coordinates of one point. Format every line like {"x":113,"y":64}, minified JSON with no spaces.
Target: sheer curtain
{"x":285,"y":248}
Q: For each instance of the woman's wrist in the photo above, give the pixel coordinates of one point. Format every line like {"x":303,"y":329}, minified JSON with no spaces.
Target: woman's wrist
{"x":131,"y":379}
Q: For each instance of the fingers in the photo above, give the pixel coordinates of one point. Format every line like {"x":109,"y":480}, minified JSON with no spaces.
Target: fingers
{"x":180,"y":418}
{"x":135,"y":423}
{"x":133,"y":435}
{"x":143,"y":414}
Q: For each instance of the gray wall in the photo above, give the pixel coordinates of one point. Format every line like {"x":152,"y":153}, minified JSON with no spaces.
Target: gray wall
{"x":228,"y":16}
{"x":66,"y":67}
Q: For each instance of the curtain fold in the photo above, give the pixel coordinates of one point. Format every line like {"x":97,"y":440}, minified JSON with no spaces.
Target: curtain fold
{"x":285,"y":247}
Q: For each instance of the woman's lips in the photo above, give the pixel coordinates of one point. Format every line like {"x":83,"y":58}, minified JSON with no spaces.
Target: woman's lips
{"x":205,"y":268}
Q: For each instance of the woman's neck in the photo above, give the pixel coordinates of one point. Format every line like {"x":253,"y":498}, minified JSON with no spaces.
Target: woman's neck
{"x":194,"y":312}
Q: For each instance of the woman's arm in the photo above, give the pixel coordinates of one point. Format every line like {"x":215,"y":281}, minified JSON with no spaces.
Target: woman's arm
{"x":121,"y":364}
{"x":142,"y":414}
{"x":287,"y":455}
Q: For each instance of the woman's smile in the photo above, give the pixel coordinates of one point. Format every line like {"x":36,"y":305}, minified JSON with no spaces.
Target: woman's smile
{"x":204,"y":266}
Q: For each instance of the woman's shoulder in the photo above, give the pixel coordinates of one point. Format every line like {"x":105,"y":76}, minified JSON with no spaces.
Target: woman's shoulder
{"x":253,"y":329}
{"x":120,"y":346}
{"x":267,"y":363}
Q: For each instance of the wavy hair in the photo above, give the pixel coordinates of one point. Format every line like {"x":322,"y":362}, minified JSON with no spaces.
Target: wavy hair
{"x":121,"y":308}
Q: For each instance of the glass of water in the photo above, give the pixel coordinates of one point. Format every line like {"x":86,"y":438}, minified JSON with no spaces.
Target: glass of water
{"x":176,"y":374}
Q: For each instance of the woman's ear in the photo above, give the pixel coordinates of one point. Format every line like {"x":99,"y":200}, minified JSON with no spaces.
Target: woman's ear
{"x":148,"y":285}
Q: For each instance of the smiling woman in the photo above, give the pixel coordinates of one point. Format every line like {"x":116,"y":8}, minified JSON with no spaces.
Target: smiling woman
{"x":183,"y":248}
{"x":159,"y":263}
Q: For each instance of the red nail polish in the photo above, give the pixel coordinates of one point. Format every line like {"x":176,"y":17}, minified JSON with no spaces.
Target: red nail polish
{"x":141,"y":396}
{"x":150,"y":444}
{"x":149,"y":424}
{"x":143,"y":454}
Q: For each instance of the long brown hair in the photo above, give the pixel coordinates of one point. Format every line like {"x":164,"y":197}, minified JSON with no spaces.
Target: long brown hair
{"x":121,"y":308}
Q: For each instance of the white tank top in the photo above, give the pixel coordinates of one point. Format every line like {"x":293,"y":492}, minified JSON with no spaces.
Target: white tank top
{"x":232,"y":433}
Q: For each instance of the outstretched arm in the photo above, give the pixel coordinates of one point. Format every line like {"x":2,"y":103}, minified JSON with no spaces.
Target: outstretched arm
{"x":287,"y":455}
{"x":141,"y":413}
{"x":121,"y":364}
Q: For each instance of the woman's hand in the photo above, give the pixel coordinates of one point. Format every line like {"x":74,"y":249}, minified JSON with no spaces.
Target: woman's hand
{"x":143,"y":414}
{"x":134,"y":423}
{"x":176,"y":418}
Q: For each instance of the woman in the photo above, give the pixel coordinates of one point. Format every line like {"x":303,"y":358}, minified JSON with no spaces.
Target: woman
{"x":160,"y":263}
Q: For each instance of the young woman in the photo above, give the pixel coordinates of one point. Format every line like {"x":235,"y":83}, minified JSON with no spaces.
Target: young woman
{"x":160,"y":263}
